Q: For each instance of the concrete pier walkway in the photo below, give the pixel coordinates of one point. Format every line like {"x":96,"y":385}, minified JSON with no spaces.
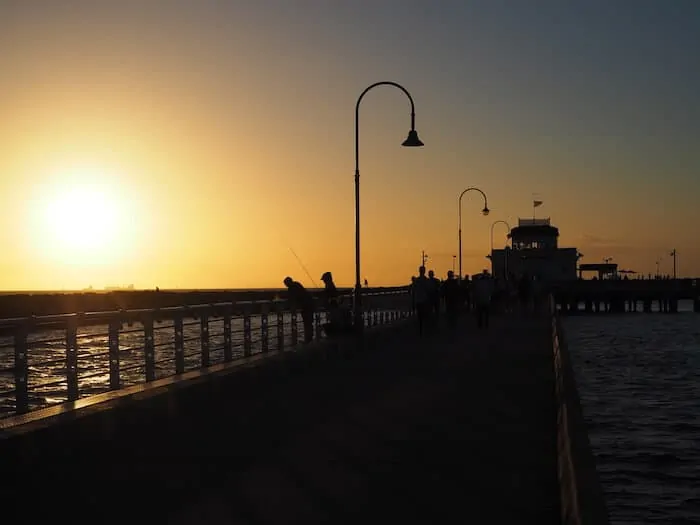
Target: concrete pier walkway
{"x":449,"y":428}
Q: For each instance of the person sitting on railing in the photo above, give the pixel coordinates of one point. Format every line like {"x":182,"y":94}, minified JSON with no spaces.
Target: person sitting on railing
{"x":301,"y":300}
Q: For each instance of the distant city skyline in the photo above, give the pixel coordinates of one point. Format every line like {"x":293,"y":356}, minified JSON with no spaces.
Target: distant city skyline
{"x":194,"y":145}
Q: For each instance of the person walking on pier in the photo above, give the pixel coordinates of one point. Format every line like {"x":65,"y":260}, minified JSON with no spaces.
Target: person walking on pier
{"x":451,"y":294}
{"x":434,"y":293}
{"x":466,"y":286}
{"x":413,"y":296}
{"x":483,"y":293}
{"x":421,"y":297}
{"x":301,"y":299}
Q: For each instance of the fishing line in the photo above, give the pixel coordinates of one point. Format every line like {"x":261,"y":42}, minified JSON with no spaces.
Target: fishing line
{"x":306,"y":271}
{"x":303,"y":267}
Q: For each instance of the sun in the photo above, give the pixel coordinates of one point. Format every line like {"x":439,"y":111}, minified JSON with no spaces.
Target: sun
{"x":82,"y":218}
{"x":80,"y":223}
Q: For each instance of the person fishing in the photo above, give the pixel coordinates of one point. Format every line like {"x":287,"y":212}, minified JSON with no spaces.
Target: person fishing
{"x":336,"y":319}
{"x":302,"y":300}
{"x":330,"y":291}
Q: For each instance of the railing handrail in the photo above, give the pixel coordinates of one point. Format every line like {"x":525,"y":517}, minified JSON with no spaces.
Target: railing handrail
{"x":581,"y":494}
{"x":221,"y":332}
{"x":164,"y":312}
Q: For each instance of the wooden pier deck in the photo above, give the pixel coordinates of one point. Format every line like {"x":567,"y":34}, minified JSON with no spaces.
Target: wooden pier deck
{"x":449,"y":428}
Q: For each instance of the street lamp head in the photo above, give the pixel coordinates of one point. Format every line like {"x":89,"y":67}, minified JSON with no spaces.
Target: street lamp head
{"x":412,"y":141}
{"x":486,"y":210}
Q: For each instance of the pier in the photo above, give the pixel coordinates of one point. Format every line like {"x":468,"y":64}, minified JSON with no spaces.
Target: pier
{"x":626,"y":295}
{"x":254,"y":427}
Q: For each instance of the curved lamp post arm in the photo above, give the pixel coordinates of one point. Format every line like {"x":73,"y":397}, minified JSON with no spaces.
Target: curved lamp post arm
{"x":494,"y":224}
{"x":411,"y":134}
{"x":472,"y":188}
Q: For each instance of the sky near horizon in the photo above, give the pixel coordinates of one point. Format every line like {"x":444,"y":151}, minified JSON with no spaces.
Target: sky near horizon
{"x":202,"y":143}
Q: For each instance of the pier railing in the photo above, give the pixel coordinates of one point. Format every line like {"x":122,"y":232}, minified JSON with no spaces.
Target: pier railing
{"x":581,"y":495}
{"x":53,"y":359}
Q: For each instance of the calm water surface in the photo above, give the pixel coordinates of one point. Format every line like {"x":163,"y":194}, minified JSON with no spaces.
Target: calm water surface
{"x":639,"y":380}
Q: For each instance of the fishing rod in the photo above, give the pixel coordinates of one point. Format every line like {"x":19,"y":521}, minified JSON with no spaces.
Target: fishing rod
{"x":303,"y":267}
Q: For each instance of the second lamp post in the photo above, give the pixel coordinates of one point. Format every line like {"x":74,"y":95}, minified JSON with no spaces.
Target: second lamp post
{"x":485,"y":211}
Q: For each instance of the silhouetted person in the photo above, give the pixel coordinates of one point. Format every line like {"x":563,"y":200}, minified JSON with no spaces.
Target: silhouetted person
{"x":330,"y":291}
{"x":336,"y":320}
{"x":421,"y":296}
{"x":301,"y":300}
{"x":467,"y":293}
{"x":434,"y":293}
{"x":482,"y":295}
{"x":452,"y":295}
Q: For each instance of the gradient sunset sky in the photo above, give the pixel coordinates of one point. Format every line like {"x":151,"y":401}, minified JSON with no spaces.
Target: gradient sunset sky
{"x":212,"y":138}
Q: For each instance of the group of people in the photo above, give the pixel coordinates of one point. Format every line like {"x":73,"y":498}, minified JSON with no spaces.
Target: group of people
{"x":338,"y":317}
{"x":483,"y":295}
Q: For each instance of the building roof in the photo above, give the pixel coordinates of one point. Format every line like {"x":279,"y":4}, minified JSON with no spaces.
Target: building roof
{"x":534,"y":222}
{"x":539,"y":230}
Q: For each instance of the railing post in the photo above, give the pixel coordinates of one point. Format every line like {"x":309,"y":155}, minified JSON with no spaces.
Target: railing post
{"x":149,"y":353}
{"x":72,"y":360}
{"x":21,"y":370}
{"x":204,"y":338}
{"x":247,"y":340}
{"x":280,"y":329}
{"x":295,"y":328}
{"x":179,"y":344}
{"x":113,"y":348}
{"x":228,"y":353}
{"x":264,"y":330}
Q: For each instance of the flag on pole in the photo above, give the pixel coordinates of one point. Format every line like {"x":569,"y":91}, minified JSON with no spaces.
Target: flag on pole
{"x":536,"y":203}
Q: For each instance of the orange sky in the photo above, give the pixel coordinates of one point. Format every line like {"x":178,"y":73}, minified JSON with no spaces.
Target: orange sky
{"x":225,"y":139}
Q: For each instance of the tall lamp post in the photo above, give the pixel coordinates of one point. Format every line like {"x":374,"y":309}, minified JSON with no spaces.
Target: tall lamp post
{"x":411,"y":141}
{"x":485,"y":211}
{"x":505,"y":258}
{"x":673,"y":254}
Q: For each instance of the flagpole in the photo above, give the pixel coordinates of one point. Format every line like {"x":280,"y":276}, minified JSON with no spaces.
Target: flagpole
{"x":535,"y":203}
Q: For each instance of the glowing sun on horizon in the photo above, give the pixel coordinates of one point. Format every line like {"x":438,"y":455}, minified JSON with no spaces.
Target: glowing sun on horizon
{"x":80,"y":223}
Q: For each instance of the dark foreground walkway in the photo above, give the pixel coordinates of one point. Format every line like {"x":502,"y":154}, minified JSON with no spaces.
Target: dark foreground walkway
{"x":437,"y":430}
